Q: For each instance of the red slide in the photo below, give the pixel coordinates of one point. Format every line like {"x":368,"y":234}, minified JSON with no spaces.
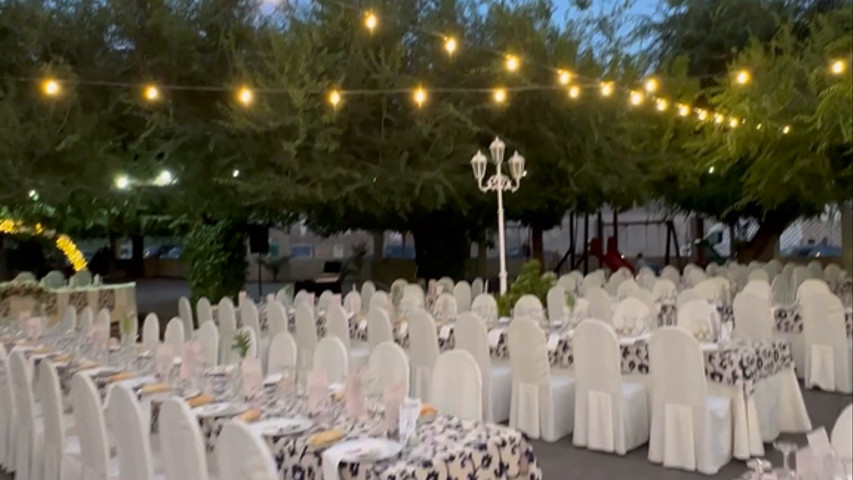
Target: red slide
{"x":613,"y":259}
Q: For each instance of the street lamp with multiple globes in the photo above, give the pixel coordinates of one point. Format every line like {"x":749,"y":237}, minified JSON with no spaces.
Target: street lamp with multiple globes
{"x":499,"y":183}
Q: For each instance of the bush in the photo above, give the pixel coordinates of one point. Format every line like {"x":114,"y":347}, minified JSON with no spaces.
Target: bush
{"x":528,"y":282}
{"x":215,"y":257}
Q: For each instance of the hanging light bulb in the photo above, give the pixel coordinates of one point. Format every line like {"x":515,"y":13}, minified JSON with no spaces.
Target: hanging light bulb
{"x":575,"y":91}
{"x":420,"y":96}
{"x":701,"y":114}
{"x":565,"y":76}
{"x":652,"y":85}
{"x":370,"y":21}
{"x":662,"y":104}
{"x":512,"y":63}
{"x":450,"y":45}
{"x":838,"y":67}
{"x":606,"y":89}
{"x":718,"y":119}
{"x":235,"y":173}
{"x":122,"y":182}
{"x":743,"y":76}
{"x":151,"y":93}
{"x":637,"y":98}
{"x":683,"y":110}
{"x":734,"y":122}
{"x":711,"y":169}
{"x":50,"y":87}
{"x":334,"y":98}
{"x":786,"y":129}
{"x":245,"y":96}
{"x":499,"y":95}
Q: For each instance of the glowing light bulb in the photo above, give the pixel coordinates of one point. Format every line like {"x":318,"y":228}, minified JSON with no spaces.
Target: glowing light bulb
{"x":50,"y":87}
{"x":122,"y":182}
{"x":450,"y":45}
{"x":651,"y":85}
{"x":245,"y":96}
{"x":758,"y":127}
{"x":334,"y":98}
{"x":151,"y":93}
{"x":575,"y":91}
{"x":662,"y":104}
{"x":786,"y":129}
{"x":637,"y":98}
{"x":420,"y":96}
{"x":711,"y":169}
{"x":718,"y":119}
{"x":512,"y":63}
{"x":34,"y":194}
{"x":743,"y":77}
{"x":164,"y":178}
{"x":701,"y":114}
{"x":499,"y":95}
{"x":683,"y":110}
{"x":235,"y":173}
{"x":734,"y":122}
{"x":370,"y":21}
{"x":606,"y":89}
{"x":565,"y":77}
{"x":838,"y":67}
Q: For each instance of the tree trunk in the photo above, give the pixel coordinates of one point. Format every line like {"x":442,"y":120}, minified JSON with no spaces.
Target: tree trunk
{"x":763,"y":244}
{"x":137,"y":261}
{"x":538,"y":252}
{"x":699,"y":234}
{"x":440,"y":248}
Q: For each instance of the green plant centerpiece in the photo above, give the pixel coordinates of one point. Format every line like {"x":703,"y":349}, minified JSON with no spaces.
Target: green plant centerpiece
{"x":241,"y":344}
{"x":528,"y":282}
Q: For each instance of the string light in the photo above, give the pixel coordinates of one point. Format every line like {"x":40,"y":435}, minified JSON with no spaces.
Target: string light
{"x":718,"y":119}
{"x":512,"y":63}
{"x":575,"y":91}
{"x":34,"y":194}
{"x":122,"y":182}
{"x":662,"y":104}
{"x":606,"y":89}
{"x":151,"y":93}
{"x":651,"y":85}
{"x":235,"y":173}
{"x":334,"y":98}
{"x":499,"y":95}
{"x":743,"y":77}
{"x":838,"y":67}
{"x":245,"y":96}
{"x":683,"y":110}
{"x":565,"y":76}
{"x":50,"y":87}
{"x":758,"y":127}
{"x":420,"y":96}
{"x":711,"y":169}
{"x":786,"y":129}
{"x":734,"y":122}
{"x":637,"y":98}
{"x":371,"y":21}
{"x":450,"y":45}
{"x":701,"y":114}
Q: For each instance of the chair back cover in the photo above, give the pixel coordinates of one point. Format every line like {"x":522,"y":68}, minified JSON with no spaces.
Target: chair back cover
{"x":382,"y":300}
{"x":379,"y":328}
{"x":753,"y":316}
{"x":326,"y":298}
{"x":445,"y":308}
{"x":68,"y":324}
{"x":276,"y":318}
{"x":687,"y":295}
{"x":183,"y":452}
{"x":591,"y":281}
{"x":130,"y":432}
{"x":529,"y":307}
{"x":647,"y":298}
{"x":677,"y":367}
{"x":185,"y":312}
{"x":87,"y":319}
{"x":80,"y":279}
{"x":367,"y":291}
{"x":150,"y":332}
{"x":250,"y":317}
{"x":599,"y":304}
{"x":53,"y":279}
{"x":175,"y":335}
{"x":91,"y":427}
{"x":759,"y":288}
{"x":531,"y":375}
{"x":352,"y":303}
{"x":760,"y":274}
{"x":243,"y":455}
{"x":626,"y":288}
{"x":476,"y":287}
{"x":486,"y":307}
{"x":103,"y":320}
{"x":331,"y":356}
{"x":811,"y":285}
{"x":204,"y":311}
{"x":799,"y":275}
{"x":423,"y":352}
{"x":783,"y":291}
{"x":446,"y":284}
{"x":457,"y":385}
{"x":842,"y":435}
{"x":303,"y":297}
{"x":7,"y":412}
{"x":472,"y":336}
{"x":700,"y":319}
{"x":462,"y":293}
{"x":283,"y":352}
{"x":54,"y":423}
{"x":664,"y":291}
{"x":709,"y":290}
{"x":285,"y":295}
{"x":631,"y":317}
{"x":388,"y":366}
{"x":306,"y":331}
{"x":815,"y":269}
{"x":558,"y":311}
{"x":208,"y":338}
{"x":825,"y":338}
{"x":252,"y":352}
{"x":337,"y":324}
{"x":227,"y":329}
{"x":27,"y":458}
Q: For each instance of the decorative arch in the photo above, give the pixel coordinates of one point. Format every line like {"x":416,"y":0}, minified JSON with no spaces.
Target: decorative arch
{"x":63,"y":242}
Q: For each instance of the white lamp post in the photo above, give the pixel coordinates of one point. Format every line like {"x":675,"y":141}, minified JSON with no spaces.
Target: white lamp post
{"x":498,"y":183}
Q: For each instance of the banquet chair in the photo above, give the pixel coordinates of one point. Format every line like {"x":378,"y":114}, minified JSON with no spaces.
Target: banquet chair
{"x":352,"y":303}
{"x":842,"y":438}
{"x":578,"y":276}
{"x":208,"y":338}
{"x":753,"y":317}
{"x":687,"y":295}
{"x":471,"y":336}
{"x":569,"y":283}
{"x":150,"y":332}
{"x":283,"y":353}
{"x":185,"y":313}
{"x":646,"y":297}
{"x":61,"y":453}
{"x":175,"y":335}
{"x":695,"y":277}
{"x":183,"y":451}
{"x":276,"y":318}
{"x":670,"y":273}
{"x":832,"y":273}
{"x":396,"y":290}
{"x":812,"y":285}
{"x":29,"y":440}
{"x":759,"y":288}
{"x":815,"y":269}
{"x":53,"y":279}
{"x":799,"y":275}
{"x":388,"y":366}
{"x":331,"y":357}
{"x":700,"y":319}
{"x":446,"y":284}
{"x":476,"y":287}
{"x":599,"y":304}
{"x":709,"y":290}
{"x":690,"y":429}
{"x":613,"y":284}
{"x":306,"y":334}
{"x":303,"y":297}
{"x":591,"y":281}
{"x":423,"y":352}
{"x":381,"y":300}
{"x":528,"y":307}
{"x":91,"y":428}
{"x":81,"y":279}
{"x":759,"y":274}
{"x":249,"y":332}
{"x":326,"y":298}
{"x":337,"y":324}
{"x":250,"y":317}
{"x":367,"y":291}
{"x":457,"y":386}
{"x":462,"y":293}
{"x":542,"y":404}
{"x":828,"y":351}
{"x":626,"y":288}
{"x":102,"y":321}
{"x":227,"y":329}
{"x":8,"y":417}
{"x":631,"y":317}
{"x":68,"y":324}
{"x":445,"y":308}
{"x":557,"y":308}
{"x":204,"y":311}
{"x":86,"y":320}
{"x":243,"y":455}
{"x":773,"y":268}
{"x":782,"y":292}
{"x":486,"y":307}
{"x":130,"y":430}
{"x":610,"y":415}
{"x":664,"y":290}
{"x":132,"y":328}
{"x":379,"y":328}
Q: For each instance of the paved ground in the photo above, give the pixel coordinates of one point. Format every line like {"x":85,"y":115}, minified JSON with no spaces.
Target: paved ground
{"x":559,"y":460}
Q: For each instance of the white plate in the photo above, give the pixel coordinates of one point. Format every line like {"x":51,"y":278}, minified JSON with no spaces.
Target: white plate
{"x":138,"y":382}
{"x":220,"y":409}
{"x":100,"y":371}
{"x":367,"y":450}
{"x":708,"y":346}
{"x":281,"y":426}
{"x":272,"y":379}
{"x":219,"y":370}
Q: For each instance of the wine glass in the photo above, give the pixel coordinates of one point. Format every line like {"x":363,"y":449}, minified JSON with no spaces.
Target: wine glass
{"x":785,"y":448}
{"x":757,"y":468}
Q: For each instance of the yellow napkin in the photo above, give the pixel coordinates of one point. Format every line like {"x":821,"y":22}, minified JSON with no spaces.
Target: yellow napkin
{"x":324,"y":438}
{"x":65,"y":357}
{"x":39,"y":350}
{"x":200,"y":400}
{"x":154,"y":388}
{"x":251,"y":415}
{"x":87,"y":366}
{"x":427,"y":410}
{"x":120,"y":376}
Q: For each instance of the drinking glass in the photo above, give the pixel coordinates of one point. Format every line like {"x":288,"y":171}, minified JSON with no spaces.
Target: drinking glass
{"x":785,"y":448}
{"x":757,"y":469}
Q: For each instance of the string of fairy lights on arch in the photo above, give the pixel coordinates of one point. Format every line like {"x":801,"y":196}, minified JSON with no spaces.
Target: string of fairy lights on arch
{"x":566,"y":80}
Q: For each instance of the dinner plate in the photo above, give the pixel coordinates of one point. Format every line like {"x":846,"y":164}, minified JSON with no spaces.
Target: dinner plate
{"x":220,"y":409}
{"x":367,"y":450}
{"x":281,"y":426}
{"x":100,"y":371}
{"x":219,"y":370}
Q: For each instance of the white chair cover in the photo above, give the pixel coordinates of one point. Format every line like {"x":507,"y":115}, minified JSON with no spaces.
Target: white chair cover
{"x":759,"y":275}
{"x":175,"y":335}
{"x":591,"y":281}
{"x":352,"y":303}
{"x":388,"y":366}
{"x":379,"y":328}
{"x":253,"y":341}
{"x":815,"y":269}
{"x":599,"y":304}
{"x":208,"y":338}
{"x":664,"y":291}
{"x":423,"y":351}
{"x":381,"y":300}
{"x":243,"y":455}
{"x":227,"y":329}
{"x":773,"y":268}
{"x":445,"y":308}
{"x":472,"y":336}
{"x":130,"y":431}
{"x":326,"y":298}
{"x":842,"y":437}
{"x":486,"y":307}
{"x":832,"y":273}
{"x":285,"y":295}
{"x":250,"y":317}
{"x":337,"y":324}
{"x":700,"y":319}
{"x":53,"y":279}
{"x":58,"y":460}
{"x":613,"y":284}
{"x":204,"y":311}
{"x":183,"y":452}
{"x":798,"y":276}
{"x":7,"y":414}
{"x":462,"y":293}
{"x":529,"y":307}
{"x":132,"y":327}
{"x":626,"y":288}
{"x":87,"y":319}
{"x":631,"y":317}
{"x":610,"y":415}
{"x":646,"y":297}
{"x":476,"y":287}
{"x":646,"y":278}
{"x":569,"y":283}
{"x":783,"y":291}
{"x":367,"y":291}
{"x":103,"y":320}
{"x":68,"y":324}
{"x":690,"y":430}
{"x":283,"y":352}
{"x":151,"y":332}
{"x":811,"y":285}
{"x":331,"y":357}
{"x":396,"y":290}
{"x":759,"y":288}
{"x":185,"y":312}
{"x":753,"y":316}
{"x":709,"y":290}
{"x":91,"y":428}
{"x":303,"y":297}
{"x":28,"y":441}
{"x":80,"y":279}
{"x":306,"y":334}
{"x":542,"y":405}
{"x":446,"y":284}
{"x":457,"y":386}
{"x":687,"y":295}
{"x":276,"y":318}
{"x":828,"y":353}
{"x":558,"y":311}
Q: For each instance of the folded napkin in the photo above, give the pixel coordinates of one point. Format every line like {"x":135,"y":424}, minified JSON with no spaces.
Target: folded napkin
{"x":38,"y":350}
{"x":119,"y":377}
{"x":495,"y":336}
{"x":87,"y":366}
{"x":445,"y":332}
{"x":427,"y":410}
{"x":324,"y":438}
{"x":65,"y":357}
{"x":200,"y":400}
{"x":154,"y":388}
{"x":251,"y":415}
